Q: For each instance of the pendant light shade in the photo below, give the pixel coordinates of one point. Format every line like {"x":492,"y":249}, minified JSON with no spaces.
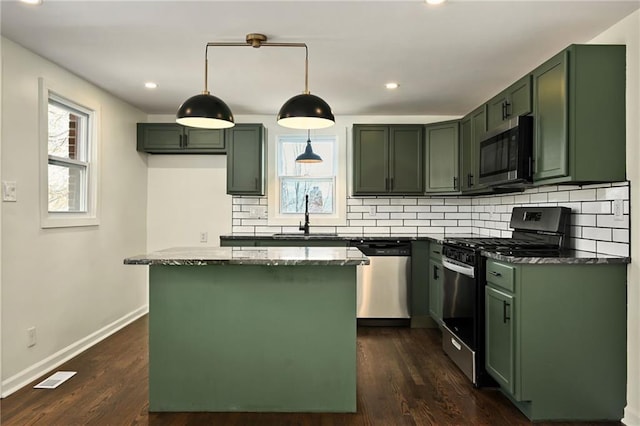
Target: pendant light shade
{"x":306,"y":111}
{"x":308,"y":156}
{"x":205,"y":111}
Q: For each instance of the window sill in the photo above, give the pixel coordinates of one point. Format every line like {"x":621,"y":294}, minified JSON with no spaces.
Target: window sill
{"x":66,"y":220}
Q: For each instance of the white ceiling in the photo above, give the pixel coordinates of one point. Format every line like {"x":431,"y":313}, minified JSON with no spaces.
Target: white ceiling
{"x":448,"y":59}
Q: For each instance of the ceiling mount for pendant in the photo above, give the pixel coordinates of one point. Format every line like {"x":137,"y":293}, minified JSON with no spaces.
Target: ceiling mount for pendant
{"x":303,"y":111}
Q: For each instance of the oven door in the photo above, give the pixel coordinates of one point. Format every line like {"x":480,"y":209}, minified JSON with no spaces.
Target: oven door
{"x":459,"y":300}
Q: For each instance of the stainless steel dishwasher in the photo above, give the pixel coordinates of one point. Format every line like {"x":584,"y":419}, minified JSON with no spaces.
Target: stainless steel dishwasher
{"x":383,"y":294}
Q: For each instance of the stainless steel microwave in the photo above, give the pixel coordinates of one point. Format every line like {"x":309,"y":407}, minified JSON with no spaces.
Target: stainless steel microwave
{"x":506,"y":154}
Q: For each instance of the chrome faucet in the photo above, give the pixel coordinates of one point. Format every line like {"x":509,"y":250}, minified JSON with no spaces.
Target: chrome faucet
{"x":305,"y":227}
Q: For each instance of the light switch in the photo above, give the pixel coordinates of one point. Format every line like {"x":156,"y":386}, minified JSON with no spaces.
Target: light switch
{"x":9,"y":191}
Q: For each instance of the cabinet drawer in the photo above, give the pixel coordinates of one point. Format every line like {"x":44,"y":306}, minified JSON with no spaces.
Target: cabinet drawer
{"x":435,"y":251}
{"x":501,"y":275}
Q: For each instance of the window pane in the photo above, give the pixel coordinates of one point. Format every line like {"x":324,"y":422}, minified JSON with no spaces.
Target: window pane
{"x":290,"y":148}
{"x":67,"y":137}
{"x":66,"y":187}
{"x":293,"y":191}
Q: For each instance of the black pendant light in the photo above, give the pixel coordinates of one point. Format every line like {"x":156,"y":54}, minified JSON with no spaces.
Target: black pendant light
{"x":205,"y":111}
{"x":308,"y":156}
{"x":304,"y":111}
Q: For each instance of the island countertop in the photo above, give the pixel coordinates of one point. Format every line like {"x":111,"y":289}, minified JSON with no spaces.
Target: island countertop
{"x":270,"y":256}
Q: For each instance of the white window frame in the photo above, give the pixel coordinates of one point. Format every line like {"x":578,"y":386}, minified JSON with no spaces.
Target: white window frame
{"x":339,"y":217}
{"x":79,"y":102}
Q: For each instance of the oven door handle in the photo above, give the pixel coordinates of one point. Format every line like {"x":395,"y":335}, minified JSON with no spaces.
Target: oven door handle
{"x":469,"y":271}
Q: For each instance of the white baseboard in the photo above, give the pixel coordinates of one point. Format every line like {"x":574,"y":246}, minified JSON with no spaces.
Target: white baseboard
{"x":631,"y":416}
{"x":31,"y":373}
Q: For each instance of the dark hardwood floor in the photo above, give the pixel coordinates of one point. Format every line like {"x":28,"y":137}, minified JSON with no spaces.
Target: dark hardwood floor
{"x":404,"y":378}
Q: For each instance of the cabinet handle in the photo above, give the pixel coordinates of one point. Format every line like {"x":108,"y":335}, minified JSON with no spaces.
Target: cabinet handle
{"x":505,"y":317}
{"x":435,"y":272}
{"x":435,"y":252}
{"x":504,"y":110}
{"x":455,"y":182}
{"x":186,"y":140}
{"x":507,"y":109}
{"x":495,"y":274}
{"x":469,"y":180}
{"x":180,"y":141}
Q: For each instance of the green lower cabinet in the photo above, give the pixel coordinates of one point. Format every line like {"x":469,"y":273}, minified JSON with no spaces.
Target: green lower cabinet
{"x":499,"y":317}
{"x":420,"y":297}
{"x":435,"y":290}
{"x":556,"y":343}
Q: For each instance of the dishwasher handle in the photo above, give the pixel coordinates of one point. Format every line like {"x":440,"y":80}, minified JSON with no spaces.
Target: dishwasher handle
{"x":467,"y":270}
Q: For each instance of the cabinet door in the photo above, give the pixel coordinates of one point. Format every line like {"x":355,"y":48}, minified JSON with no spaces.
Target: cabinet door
{"x":435,"y":290}
{"x":466,"y":156}
{"x":441,"y":164}
{"x":370,"y":160}
{"x":406,"y":167}
{"x":478,"y":130}
{"x":203,"y":140}
{"x":519,"y":98}
{"x":550,"y":111}
{"x":496,"y":110}
{"x":500,"y":337}
{"x":160,"y":137}
{"x":245,"y":160}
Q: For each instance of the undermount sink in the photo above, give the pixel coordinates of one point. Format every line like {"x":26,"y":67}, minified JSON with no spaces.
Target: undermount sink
{"x":299,"y":234}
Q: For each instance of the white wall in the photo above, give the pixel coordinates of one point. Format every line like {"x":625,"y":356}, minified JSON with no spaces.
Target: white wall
{"x":70,"y":283}
{"x":627,"y":32}
{"x":187,"y":196}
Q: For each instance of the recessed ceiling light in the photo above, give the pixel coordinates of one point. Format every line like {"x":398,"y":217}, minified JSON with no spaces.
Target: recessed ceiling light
{"x":32,"y":1}
{"x":435,"y":1}
{"x":150,"y":85}
{"x":392,"y":85}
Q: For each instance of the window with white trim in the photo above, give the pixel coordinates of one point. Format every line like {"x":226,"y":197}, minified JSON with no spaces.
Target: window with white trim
{"x":296,"y":180}
{"x":68,"y":158}
{"x":68,"y":163}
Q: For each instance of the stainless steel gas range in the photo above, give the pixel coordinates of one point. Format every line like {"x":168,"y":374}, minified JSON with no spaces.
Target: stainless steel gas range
{"x":541,"y":230}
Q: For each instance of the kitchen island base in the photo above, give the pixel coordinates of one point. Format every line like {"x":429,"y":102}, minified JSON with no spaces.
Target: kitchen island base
{"x":252,"y":338}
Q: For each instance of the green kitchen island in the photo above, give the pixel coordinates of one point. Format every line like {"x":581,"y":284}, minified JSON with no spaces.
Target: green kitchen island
{"x":269,"y":329}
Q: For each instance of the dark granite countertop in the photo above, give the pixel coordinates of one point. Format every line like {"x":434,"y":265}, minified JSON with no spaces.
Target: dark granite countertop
{"x":562,"y":257}
{"x":439,"y":238}
{"x":271,"y":256}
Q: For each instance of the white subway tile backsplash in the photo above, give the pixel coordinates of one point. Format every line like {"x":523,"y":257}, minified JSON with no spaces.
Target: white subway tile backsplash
{"x":558,"y":197}
{"x":616,"y":249}
{"x":581,"y":244}
{"x":593,"y":226}
{"x":583,"y":195}
{"x":444,"y":208}
{"x":430,"y":215}
{"x":390,"y":209}
{"x":598,"y":207}
{"x":620,"y":235}
{"x":603,"y":234}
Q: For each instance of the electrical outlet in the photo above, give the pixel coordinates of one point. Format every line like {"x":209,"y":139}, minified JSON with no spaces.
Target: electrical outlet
{"x":31,"y":337}
{"x":9,"y":191}
{"x":204,"y":236}
{"x":372,"y":211}
{"x":618,"y":209}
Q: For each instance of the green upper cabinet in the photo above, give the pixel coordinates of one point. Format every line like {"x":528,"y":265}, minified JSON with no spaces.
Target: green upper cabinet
{"x":388,"y":159}
{"x":511,"y":102}
{"x":172,"y":138}
{"x":441,"y":152}
{"x":245,"y":159}
{"x":579,"y":116}
{"x":472,"y":128}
